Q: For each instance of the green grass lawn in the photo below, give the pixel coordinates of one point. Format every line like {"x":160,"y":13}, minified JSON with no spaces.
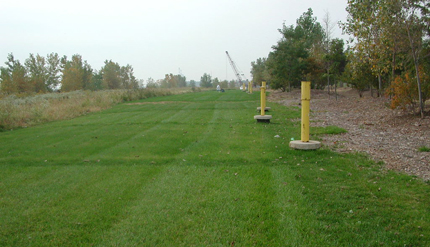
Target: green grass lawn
{"x":197,"y":170}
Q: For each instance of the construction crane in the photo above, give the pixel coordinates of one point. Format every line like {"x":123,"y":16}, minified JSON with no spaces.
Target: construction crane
{"x":236,"y":71}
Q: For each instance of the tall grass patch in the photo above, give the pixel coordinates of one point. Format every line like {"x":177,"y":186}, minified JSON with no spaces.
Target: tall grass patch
{"x":18,"y":112}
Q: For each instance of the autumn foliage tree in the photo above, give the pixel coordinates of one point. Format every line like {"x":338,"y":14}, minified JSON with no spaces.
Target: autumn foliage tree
{"x":77,"y":74}
{"x":46,"y":74}
{"x":37,"y":73}
{"x":390,"y":35}
{"x":14,"y":77}
{"x":404,"y":91}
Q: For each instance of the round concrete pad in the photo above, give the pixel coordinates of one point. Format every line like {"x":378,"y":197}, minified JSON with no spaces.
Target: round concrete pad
{"x":265,"y":118}
{"x":266,"y":108}
{"x":311,"y":145}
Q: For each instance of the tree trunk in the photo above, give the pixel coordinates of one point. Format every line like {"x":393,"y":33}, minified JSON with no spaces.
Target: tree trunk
{"x":328,"y":83}
{"x":393,"y":68}
{"x":379,"y":85}
{"x":420,"y":98}
{"x":417,"y":72}
{"x":335,"y":89}
{"x":393,"y":65}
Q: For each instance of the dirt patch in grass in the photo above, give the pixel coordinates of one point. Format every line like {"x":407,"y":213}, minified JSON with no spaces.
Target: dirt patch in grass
{"x":391,"y":136}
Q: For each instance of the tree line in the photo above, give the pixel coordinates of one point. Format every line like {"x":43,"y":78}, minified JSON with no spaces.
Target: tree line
{"x":40,"y":74}
{"x":206,"y":81}
{"x":388,"y":51}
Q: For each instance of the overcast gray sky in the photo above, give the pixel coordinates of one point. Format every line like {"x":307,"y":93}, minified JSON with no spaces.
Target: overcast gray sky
{"x":158,"y":36}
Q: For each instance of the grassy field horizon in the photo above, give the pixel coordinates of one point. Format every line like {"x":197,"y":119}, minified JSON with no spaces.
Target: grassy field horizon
{"x":197,"y":170}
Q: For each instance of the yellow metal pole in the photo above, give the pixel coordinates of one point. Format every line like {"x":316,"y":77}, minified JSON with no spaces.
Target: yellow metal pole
{"x":263,"y":98}
{"x":250,"y":86}
{"x":306,"y":98}
{"x":244,"y":87}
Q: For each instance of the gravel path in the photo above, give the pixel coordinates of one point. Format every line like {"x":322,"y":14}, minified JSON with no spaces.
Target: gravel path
{"x":386,"y":135}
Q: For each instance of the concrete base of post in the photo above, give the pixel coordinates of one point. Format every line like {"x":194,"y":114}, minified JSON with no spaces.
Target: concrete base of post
{"x":263,"y":119}
{"x":311,"y":145}
{"x":266,"y":108}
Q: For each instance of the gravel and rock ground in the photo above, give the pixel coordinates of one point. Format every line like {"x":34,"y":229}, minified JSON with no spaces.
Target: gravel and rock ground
{"x":391,"y":136}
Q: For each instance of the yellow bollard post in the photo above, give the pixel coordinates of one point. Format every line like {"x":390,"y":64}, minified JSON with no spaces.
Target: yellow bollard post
{"x":305,"y":143}
{"x":263,"y":117}
{"x":250,"y":87}
{"x":263,"y":98}
{"x":244,"y":87}
{"x":306,"y":98}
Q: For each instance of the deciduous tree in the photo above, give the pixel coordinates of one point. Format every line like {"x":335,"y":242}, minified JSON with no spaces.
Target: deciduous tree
{"x":7,"y":85}
{"x":111,"y":75}
{"x":150,"y":83}
{"x":381,"y":28}
{"x":77,"y":74}
{"x":257,"y":70}
{"x":37,"y":73}
{"x":53,"y":71}
{"x":206,"y":80}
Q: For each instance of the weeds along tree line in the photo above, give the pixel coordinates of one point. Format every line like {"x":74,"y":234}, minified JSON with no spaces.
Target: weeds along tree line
{"x":388,"y":51}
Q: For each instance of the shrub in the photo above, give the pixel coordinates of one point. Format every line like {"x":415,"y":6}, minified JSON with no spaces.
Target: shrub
{"x":404,"y":90}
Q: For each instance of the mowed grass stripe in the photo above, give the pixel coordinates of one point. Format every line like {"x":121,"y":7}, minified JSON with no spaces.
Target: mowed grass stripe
{"x":193,"y":205}
{"x":67,"y":204}
{"x":135,"y":137}
{"x":56,"y":142}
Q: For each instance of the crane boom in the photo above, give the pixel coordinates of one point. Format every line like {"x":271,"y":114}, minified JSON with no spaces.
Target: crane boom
{"x":233,"y":65}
